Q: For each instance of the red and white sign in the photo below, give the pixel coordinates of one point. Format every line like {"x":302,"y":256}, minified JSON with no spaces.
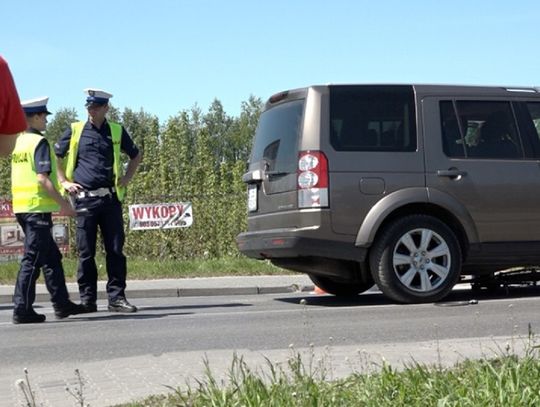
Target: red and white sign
{"x":160,"y":216}
{"x":12,"y":236}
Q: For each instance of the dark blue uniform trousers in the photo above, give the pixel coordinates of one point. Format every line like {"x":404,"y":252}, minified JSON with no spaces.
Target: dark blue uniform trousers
{"x":105,"y":213}
{"x":40,"y":252}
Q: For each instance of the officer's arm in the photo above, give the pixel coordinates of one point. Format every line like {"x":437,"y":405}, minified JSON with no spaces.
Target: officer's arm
{"x":12,"y":118}
{"x":7,"y":143}
{"x":46,"y":183}
{"x":71,"y":187}
{"x":61,"y":148}
{"x":132,"y":166}
{"x":60,"y":170}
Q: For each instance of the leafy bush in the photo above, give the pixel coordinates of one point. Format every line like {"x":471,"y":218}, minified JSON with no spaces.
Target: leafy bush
{"x":193,"y":157}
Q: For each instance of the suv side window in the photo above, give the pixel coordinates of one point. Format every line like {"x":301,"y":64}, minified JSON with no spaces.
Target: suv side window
{"x":372,"y":118}
{"x":483,"y":129}
{"x":489,"y":129}
{"x":453,"y":145}
{"x":534,"y":111}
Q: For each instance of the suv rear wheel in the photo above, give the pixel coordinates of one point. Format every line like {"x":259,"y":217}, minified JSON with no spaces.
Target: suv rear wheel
{"x":416,"y":259}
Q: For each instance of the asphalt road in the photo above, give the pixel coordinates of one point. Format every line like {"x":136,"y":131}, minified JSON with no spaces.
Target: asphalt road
{"x":171,"y":336}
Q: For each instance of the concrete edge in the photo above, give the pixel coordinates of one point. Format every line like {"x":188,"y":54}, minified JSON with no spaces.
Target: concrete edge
{"x":182,"y":292}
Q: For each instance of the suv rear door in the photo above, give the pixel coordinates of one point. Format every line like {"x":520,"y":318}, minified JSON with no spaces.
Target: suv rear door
{"x":375,"y":149}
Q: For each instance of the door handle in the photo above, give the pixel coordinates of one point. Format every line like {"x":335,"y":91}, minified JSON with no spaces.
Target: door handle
{"x":452,"y":173}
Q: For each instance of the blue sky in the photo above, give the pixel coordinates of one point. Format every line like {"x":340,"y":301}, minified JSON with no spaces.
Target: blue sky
{"x":167,"y":55}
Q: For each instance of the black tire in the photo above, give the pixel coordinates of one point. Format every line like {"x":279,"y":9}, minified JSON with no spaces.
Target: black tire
{"x":408,"y":270}
{"x":340,"y":288}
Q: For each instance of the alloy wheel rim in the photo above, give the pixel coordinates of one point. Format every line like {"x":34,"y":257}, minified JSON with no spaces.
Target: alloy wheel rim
{"x":421,"y":260}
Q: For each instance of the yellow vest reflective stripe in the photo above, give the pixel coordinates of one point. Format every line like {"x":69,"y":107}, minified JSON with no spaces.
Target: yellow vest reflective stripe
{"x":116,"y":135}
{"x":28,"y":194}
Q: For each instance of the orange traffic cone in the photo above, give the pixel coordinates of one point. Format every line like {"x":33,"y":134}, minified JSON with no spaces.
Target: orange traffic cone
{"x":319,"y":291}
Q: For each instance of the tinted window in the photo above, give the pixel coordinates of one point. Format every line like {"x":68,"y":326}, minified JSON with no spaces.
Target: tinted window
{"x":534,"y":111}
{"x":453,"y":145}
{"x":276,"y":138}
{"x":489,"y":129}
{"x":372,"y":118}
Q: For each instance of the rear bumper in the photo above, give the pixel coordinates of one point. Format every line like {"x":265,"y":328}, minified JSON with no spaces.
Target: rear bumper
{"x":291,"y":244}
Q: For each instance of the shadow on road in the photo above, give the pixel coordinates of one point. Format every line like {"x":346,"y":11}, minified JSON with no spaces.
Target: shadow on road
{"x":455,"y":298}
{"x":469,"y":297}
{"x":107,"y":316}
{"x":200,"y":306}
{"x":141,"y":314}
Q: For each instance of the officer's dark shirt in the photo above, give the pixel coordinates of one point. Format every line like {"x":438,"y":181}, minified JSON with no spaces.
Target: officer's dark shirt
{"x":94,"y":165}
{"x":42,"y":155}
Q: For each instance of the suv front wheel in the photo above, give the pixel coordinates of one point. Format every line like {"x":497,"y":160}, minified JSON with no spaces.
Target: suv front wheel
{"x":416,"y":259}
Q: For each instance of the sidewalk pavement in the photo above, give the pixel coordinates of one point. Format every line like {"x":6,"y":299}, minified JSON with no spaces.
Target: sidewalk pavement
{"x":187,"y":287}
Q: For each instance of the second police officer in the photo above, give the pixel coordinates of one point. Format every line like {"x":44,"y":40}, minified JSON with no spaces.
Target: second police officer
{"x":91,"y":170}
{"x":35,"y":197}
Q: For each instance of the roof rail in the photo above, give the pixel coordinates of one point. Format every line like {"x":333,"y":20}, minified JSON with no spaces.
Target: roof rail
{"x":526,"y":90}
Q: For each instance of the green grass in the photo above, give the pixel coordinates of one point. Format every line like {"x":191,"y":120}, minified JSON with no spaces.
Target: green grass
{"x":504,"y":381}
{"x":142,"y":269}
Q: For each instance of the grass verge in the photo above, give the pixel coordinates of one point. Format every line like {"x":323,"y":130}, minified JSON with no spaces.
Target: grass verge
{"x":504,"y":381}
{"x":143,"y":269}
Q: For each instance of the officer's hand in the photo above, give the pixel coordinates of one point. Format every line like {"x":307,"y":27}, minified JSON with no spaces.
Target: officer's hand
{"x":66,"y":209}
{"x":71,"y":187}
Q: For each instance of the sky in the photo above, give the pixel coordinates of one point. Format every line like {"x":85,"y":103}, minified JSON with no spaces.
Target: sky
{"x":166,"y":56}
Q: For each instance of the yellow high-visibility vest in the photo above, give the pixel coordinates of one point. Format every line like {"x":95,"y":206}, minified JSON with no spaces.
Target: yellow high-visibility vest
{"x":28,"y":194}
{"x":116,"y":135}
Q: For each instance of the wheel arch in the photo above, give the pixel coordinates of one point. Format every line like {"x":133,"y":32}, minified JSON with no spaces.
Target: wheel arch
{"x":419,"y":201}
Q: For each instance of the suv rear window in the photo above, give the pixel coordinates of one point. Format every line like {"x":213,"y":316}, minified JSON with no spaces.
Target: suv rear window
{"x":276,"y":138}
{"x":372,"y":118}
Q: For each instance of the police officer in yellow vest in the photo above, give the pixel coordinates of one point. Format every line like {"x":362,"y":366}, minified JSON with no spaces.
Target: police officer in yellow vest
{"x":33,"y":184}
{"x":93,"y":175}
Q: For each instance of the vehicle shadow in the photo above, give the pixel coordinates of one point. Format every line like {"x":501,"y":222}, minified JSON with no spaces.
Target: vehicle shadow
{"x":466,"y":297}
{"x":200,"y":306}
{"x":102,"y":315}
{"x":109,"y":316}
{"x":459,"y":297}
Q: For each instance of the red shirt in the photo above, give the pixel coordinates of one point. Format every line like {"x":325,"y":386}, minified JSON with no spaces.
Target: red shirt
{"x":12,"y":118}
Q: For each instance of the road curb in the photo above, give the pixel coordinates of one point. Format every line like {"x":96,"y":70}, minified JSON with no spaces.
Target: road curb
{"x":180,"y":292}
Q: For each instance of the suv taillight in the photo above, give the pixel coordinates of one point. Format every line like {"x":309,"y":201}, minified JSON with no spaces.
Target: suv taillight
{"x":312,"y":179}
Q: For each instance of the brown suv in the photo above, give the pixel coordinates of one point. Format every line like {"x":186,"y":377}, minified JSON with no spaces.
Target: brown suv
{"x":406,"y":186}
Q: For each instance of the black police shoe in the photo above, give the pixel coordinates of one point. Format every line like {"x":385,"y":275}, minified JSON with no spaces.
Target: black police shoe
{"x":88,"y":307}
{"x":64,"y":311}
{"x":30,"y":317}
{"x":121,"y":305}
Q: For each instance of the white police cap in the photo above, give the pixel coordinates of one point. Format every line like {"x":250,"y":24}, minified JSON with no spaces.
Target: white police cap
{"x":97,"y":96}
{"x":36,"y":105}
